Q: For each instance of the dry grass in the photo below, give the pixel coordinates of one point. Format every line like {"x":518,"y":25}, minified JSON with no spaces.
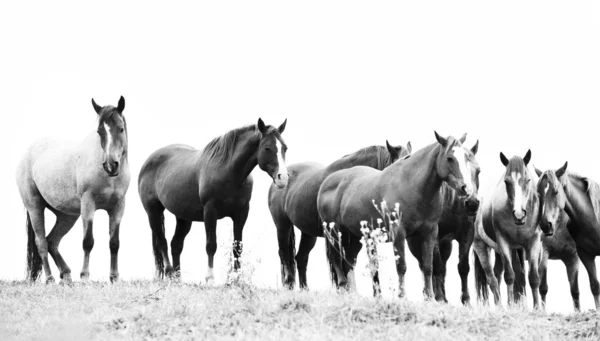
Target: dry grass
{"x":148,"y":310}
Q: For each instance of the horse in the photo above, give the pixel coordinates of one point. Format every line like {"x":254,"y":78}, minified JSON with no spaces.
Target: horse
{"x":296,"y":205}
{"x":456,"y":223}
{"x":207,"y":185}
{"x":571,"y":206}
{"x":509,"y":220}
{"x":413,"y":184}
{"x":73,"y":180}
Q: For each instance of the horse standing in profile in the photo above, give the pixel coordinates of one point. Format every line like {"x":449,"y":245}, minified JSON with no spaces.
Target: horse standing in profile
{"x":456,"y":223}
{"x":296,"y":205}
{"x":207,"y":185}
{"x":73,"y":180}
{"x":346,"y":198}
{"x":571,"y":206}
{"x":509,"y":220}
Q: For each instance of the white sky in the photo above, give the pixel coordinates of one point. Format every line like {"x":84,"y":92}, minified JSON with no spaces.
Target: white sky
{"x":345,"y":74}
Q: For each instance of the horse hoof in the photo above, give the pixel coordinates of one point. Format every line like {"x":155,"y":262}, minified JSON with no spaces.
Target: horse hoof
{"x":84,"y":275}
{"x":66,"y":279}
{"x":50,"y":279}
{"x":114,"y":278}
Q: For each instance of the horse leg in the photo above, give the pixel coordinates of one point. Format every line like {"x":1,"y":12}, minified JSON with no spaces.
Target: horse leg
{"x":36,"y":217}
{"x":287,"y":245}
{"x":239,"y":220}
{"x":498,"y":267}
{"x":182,"y":229}
{"x":590,"y":265}
{"x":307,"y":243}
{"x":414,"y":246}
{"x":210,"y":225}
{"x":88,"y":208}
{"x":483,"y":253}
{"x":429,"y":242}
{"x":444,"y":250}
{"x":335,"y":251}
{"x":509,"y":274}
{"x":156,"y":219}
{"x":400,"y":255}
{"x":543,"y":270}
{"x":463,"y":269}
{"x":572,"y":265}
{"x":534,"y":253}
{"x":114,"y":224}
{"x":63,"y":224}
{"x":353,"y":247}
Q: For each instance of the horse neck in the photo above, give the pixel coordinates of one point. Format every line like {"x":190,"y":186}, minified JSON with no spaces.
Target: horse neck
{"x":371,"y":160}
{"x":577,"y":198}
{"x":245,"y":155}
{"x":423,"y":168}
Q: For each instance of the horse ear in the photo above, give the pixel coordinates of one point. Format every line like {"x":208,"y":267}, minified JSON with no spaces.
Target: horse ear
{"x":475,"y":148}
{"x":393,"y":152}
{"x":527,"y":157}
{"x":561,"y":171}
{"x":537,"y":171}
{"x":463,"y":138}
{"x":440,"y":139}
{"x":409,"y":147}
{"x":503,"y":159}
{"x":282,"y":126}
{"x":96,"y":107}
{"x":261,"y":126}
{"x":121,"y":105}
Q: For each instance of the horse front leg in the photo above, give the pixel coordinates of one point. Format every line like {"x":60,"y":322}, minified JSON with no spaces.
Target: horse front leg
{"x":463,"y":268}
{"x":88,"y":208}
{"x":483,"y":255}
{"x":509,"y":274}
{"x":572,"y":265}
{"x":239,"y":220}
{"x":543,"y":271}
{"x":210,"y":225}
{"x":588,"y":261}
{"x":114,"y":224}
{"x":427,"y":248}
{"x":535,"y":253}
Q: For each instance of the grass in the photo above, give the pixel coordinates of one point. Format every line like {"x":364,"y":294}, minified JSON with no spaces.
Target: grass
{"x":152,"y":310}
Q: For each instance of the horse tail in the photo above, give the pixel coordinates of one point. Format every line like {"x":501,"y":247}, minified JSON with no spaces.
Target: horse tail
{"x":34,"y":261}
{"x":156,"y":250}
{"x":292,"y":252}
{"x":331,"y":258}
{"x":480,"y":279}
{"x":518,"y":264}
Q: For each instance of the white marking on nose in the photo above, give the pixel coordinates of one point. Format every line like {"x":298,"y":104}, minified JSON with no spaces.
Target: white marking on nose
{"x":463,"y":166}
{"x":280,"y":161}
{"x":546,"y":188}
{"x":108,"y":137}
{"x":518,"y":202}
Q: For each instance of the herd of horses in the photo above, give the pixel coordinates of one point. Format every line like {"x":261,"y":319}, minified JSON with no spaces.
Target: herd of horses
{"x":531,"y":215}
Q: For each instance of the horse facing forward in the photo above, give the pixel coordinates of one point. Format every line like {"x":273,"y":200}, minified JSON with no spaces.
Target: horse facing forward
{"x":72,"y":180}
{"x":207,"y":185}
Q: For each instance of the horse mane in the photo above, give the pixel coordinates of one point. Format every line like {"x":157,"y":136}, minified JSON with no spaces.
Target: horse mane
{"x":592,"y":191}
{"x":221,"y":148}
{"x":384,"y":158}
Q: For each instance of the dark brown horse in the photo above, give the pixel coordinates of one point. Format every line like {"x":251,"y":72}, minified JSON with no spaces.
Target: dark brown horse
{"x":571,"y":206}
{"x":296,"y":205}
{"x":346,"y":198}
{"x":207,"y":185}
{"x":456,"y":223}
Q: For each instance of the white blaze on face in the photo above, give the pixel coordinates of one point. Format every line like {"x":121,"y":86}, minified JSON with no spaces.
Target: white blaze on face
{"x":545,"y":193}
{"x":464,"y":167}
{"x":108,"y":137}
{"x":282,"y":168}
{"x":518,"y":202}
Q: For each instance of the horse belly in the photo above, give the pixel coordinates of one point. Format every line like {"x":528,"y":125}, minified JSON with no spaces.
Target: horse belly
{"x":301,"y":207}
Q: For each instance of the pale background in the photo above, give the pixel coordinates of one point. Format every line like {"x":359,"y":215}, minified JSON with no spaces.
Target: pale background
{"x":346,"y":74}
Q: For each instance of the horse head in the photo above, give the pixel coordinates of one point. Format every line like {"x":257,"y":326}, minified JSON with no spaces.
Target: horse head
{"x":113,"y":135}
{"x":552,"y":197}
{"x":271,"y":153}
{"x":517,"y":180}
{"x":459,"y":168}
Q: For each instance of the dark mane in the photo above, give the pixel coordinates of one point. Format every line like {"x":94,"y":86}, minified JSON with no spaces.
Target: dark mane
{"x":384,"y":158}
{"x":221,"y":148}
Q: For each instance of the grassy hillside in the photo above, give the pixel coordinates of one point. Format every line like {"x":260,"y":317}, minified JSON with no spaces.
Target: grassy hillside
{"x":146,"y":310}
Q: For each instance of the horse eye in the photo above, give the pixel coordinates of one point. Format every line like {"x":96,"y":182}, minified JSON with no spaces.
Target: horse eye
{"x":122,"y":129}
{"x":450,"y":159}
{"x":268,"y":149}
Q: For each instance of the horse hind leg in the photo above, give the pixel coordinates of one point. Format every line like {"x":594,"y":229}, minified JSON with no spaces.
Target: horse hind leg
{"x":307,"y":243}
{"x":156,"y":219}
{"x":353,"y":247}
{"x":36,"y":226}
{"x":590,"y":265}
{"x":63,"y":225}
{"x":182,"y":229}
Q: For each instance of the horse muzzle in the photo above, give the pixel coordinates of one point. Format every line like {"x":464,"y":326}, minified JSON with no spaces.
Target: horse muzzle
{"x":520,"y":217}
{"x":281,"y":180}
{"x":111,"y":170}
{"x":547,"y":227}
{"x":472,"y":206}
